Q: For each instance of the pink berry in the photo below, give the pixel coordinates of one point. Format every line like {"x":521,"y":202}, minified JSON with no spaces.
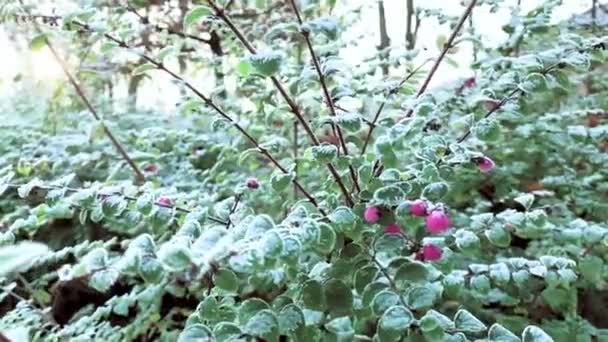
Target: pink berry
{"x":431,"y":252}
{"x":392,"y":228}
{"x":486,"y":164}
{"x":165,"y":201}
{"x":252,"y":183}
{"x":437,"y":222}
{"x":490,"y":105}
{"x":152,"y":168}
{"x":372,"y":215}
{"x":418,"y":208}
{"x":469,"y":83}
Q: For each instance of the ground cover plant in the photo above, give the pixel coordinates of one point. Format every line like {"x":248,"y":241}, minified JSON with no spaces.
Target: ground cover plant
{"x":291,"y":196}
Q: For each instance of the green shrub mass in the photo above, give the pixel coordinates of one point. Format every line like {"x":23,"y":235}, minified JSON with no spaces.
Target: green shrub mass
{"x":291,"y":196}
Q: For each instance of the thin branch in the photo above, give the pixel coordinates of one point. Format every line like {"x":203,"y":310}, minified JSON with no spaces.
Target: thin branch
{"x":217,"y":109}
{"x":390,"y":280}
{"x":290,"y":102}
{"x":446,"y":47}
{"x":491,"y":111}
{"x":237,"y":200}
{"x":328,"y":98}
{"x":395,"y":90}
{"x":506,"y":99}
{"x":146,"y":21}
{"x":295,"y":157}
{"x":138,"y":174}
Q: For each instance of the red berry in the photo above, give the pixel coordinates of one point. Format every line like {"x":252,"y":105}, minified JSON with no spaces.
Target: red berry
{"x":392,"y":228}
{"x":485,"y":164}
{"x":372,"y":215}
{"x":418,"y":208}
{"x":252,"y":183}
{"x":469,"y":83}
{"x":438,"y":222}
{"x":165,"y":201}
{"x":431,"y":252}
{"x":152,"y":168}
{"x":490,"y":105}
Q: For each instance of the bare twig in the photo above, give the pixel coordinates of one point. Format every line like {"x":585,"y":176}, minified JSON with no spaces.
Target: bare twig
{"x":237,"y":200}
{"x":121,"y":150}
{"x":328,"y":98}
{"x":219,"y":12}
{"x":372,"y":124}
{"x":448,"y":45}
{"x":210,"y":103}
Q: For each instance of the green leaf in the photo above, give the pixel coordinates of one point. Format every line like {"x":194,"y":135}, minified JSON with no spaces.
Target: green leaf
{"x":195,"y":14}
{"x":331,"y":4}
{"x":487,"y":130}
{"x":38,"y":42}
{"x":244,"y":68}
{"x":535,"y":334}
{"x":500,"y":273}
{"x":327,"y":26}
{"x":498,"y":333}
{"x":142,"y":68}
{"x":250,"y":308}
{"x":389,"y":195}
{"x":338,"y":297}
{"x":435,"y":191}
{"x":480,"y":283}
{"x":290,"y":318}
{"x":466,"y":240}
{"x":420,"y":297}
{"x":103,"y":280}
{"x":364,"y":276}
{"x":342,"y":216}
{"x":396,"y":319}
{"x":266,"y":63}
{"x":324,"y":153}
{"x":526,"y":200}
{"x":226,"y":331}
{"x":225,"y":279}
{"x":589,"y":267}
{"x":151,"y":270}
{"x":349,"y":121}
{"x":466,"y":322}
{"x":313,"y":296}
{"x":411,"y":273}
{"x":327,"y":239}
{"x":383,"y":300}
{"x":264,"y":324}
{"x":280,"y":181}
{"x":20,"y":257}
{"x":196,"y":333}
{"x":341,"y":327}
{"x":498,"y":236}
{"x":175,"y":256}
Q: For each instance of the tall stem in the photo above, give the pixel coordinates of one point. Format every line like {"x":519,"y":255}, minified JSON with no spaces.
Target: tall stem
{"x":121,"y":150}
{"x":328,"y":98}
{"x":219,"y":12}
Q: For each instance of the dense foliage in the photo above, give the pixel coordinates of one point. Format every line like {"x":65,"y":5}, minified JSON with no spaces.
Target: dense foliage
{"x":291,"y":196}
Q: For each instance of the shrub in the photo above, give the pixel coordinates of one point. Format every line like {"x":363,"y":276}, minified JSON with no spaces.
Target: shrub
{"x":287,"y":210}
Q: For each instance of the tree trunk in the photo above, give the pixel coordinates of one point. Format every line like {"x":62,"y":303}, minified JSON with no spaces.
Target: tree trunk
{"x":385,"y":40}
